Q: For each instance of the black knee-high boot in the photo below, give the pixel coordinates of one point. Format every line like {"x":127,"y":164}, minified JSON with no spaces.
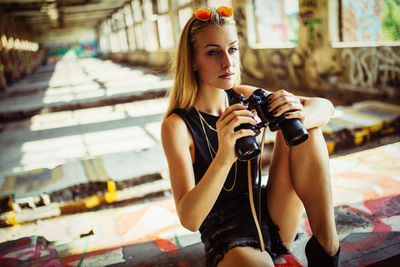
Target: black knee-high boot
{"x":317,"y":256}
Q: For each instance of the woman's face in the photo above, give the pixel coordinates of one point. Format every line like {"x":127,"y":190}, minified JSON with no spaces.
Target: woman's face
{"x":216,"y":57}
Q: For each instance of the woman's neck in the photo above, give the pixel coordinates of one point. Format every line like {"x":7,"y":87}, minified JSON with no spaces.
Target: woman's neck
{"x":211,"y":101}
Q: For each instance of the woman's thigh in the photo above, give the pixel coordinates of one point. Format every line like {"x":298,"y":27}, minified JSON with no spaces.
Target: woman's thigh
{"x":284,"y":205}
{"x":246,"y":256}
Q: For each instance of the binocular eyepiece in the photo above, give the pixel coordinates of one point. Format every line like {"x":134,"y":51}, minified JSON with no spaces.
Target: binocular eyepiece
{"x":246,"y":148}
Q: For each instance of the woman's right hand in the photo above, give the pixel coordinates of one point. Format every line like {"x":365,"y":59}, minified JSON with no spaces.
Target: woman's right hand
{"x":231,"y":118}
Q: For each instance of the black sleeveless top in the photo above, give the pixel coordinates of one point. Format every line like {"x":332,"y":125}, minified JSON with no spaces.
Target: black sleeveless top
{"x":203,"y":158}
{"x":230,"y":222}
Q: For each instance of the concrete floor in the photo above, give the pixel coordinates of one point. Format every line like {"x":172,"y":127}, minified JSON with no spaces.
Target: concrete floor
{"x":366,"y":187}
{"x":84,"y":183}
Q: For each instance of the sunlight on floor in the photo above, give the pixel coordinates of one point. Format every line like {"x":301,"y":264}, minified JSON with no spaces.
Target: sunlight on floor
{"x":99,"y":114}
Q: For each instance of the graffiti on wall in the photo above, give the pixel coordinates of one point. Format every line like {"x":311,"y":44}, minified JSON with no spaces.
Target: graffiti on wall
{"x":369,"y":67}
{"x":310,"y":21}
{"x":365,"y":69}
{"x":55,"y":52}
{"x":361,"y":20}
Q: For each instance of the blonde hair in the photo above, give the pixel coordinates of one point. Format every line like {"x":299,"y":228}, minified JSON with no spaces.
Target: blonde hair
{"x":185,"y":86}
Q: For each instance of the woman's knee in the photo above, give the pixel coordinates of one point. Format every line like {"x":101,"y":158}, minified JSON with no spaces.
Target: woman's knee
{"x":246,"y":256}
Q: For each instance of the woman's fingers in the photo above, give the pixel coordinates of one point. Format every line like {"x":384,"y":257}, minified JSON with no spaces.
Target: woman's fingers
{"x":242,"y":133}
{"x":239,"y":120}
{"x":295,"y":115}
{"x":230,"y":109}
{"x":235,"y":115}
{"x":282,"y":102}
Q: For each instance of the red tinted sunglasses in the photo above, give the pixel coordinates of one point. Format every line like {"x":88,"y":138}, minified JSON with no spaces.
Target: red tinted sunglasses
{"x":205,"y":14}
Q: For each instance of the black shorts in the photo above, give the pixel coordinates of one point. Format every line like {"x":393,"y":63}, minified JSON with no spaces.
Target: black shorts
{"x":230,"y":224}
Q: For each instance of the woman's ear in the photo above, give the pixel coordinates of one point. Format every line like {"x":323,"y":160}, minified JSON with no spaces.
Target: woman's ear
{"x":194,"y":67}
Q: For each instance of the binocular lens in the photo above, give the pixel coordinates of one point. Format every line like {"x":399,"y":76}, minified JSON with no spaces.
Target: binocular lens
{"x":247,"y":148}
{"x":293,"y":132}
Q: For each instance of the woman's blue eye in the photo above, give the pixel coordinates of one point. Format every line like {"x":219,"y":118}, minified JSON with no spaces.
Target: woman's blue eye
{"x":212,"y":53}
{"x":233,"y":49}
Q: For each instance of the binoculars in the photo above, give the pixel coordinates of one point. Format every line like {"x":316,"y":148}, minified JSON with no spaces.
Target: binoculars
{"x":246,"y":148}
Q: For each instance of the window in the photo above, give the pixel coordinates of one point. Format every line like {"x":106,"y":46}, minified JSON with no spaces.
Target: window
{"x":119,"y":23}
{"x":129,"y":27}
{"x":165,"y":32}
{"x":139,"y":36}
{"x":275,"y":23}
{"x":149,"y":26}
{"x":217,"y":3}
{"x":370,"y":20}
{"x":104,"y":37}
{"x":184,"y":15}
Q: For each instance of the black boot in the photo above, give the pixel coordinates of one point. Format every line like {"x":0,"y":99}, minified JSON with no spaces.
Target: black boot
{"x":317,"y":256}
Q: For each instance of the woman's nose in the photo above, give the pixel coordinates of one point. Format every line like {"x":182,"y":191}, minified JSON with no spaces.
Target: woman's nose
{"x":226,"y":61}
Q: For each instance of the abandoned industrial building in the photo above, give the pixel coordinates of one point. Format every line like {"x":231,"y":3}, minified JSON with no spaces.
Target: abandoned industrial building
{"x":110,"y":152}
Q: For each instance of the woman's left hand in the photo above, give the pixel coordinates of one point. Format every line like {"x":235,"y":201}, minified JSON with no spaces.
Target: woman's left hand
{"x":283,"y":102}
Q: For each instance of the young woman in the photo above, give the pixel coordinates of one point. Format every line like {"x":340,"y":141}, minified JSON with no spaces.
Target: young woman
{"x":209,"y":184}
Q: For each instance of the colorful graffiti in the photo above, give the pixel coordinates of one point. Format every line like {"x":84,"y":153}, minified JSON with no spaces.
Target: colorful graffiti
{"x":28,"y":251}
{"x":365,"y":15}
{"x":366,"y":190}
{"x":54,"y":52}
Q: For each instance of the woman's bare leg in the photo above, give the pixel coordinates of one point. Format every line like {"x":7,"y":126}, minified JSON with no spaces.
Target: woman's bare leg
{"x":306,"y":180}
{"x":246,"y":256}
{"x":284,"y":205}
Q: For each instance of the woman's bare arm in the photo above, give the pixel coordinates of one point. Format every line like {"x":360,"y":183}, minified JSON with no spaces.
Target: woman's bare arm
{"x":312,"y":111}
{"x":194,"y":202}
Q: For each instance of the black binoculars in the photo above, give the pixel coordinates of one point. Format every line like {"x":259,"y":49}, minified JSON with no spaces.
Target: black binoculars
{"x":246,"y":148}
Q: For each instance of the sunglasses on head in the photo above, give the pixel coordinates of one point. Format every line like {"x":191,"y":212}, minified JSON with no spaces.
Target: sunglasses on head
{"x":205,"y":14}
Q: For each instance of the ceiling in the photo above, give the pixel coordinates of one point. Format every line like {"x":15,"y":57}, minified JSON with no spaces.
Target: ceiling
{"x":45,"y":15}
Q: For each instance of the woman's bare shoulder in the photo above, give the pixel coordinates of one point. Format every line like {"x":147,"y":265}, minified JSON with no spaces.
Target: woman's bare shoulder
{"x":173,"y":123}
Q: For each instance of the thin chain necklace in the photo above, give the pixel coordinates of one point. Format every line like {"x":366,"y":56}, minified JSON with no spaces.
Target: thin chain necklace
{"x":211,"y":149}
{"x":204,"y":120}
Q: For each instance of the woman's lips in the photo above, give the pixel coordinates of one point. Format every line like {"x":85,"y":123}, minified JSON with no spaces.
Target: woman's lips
{"x":226,"y":76}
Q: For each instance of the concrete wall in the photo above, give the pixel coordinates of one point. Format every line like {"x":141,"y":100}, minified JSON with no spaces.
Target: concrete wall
{"x":316,"y":67}
{"x":61,"y":36}
{"x":319,"y":65}
{"x":17,"y":59}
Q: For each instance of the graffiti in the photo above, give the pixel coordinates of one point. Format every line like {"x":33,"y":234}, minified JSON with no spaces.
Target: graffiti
{"x":309,"y":3}
{"x":284,"y":64}
{"x":311,"y":24}
{"x":372,"y":66}
{"x":279,"y":62}
{"x":29,"y":252}
{"x":55,"y":52}
{"x":370,"y":25}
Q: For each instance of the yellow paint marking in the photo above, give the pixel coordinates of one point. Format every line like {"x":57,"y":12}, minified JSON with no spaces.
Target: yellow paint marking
{"x":92,"y":201}
{"x":111,"y":186}
{"x":12,"y":219}
{"x":112,"y":194}
{"x":330,"y":146}
{"x":375,"y":128}
{"x":359,"y":136}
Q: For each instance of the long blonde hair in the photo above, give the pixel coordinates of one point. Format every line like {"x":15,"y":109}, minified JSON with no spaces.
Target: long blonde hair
{"x":185,"y":86}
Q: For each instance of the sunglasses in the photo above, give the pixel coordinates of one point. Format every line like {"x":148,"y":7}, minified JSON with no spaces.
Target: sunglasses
{"x":205,"y":14}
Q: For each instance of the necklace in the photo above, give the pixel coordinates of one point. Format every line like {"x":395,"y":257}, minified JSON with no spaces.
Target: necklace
{"x":211,"y":150}
{"x":204,"y":120}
